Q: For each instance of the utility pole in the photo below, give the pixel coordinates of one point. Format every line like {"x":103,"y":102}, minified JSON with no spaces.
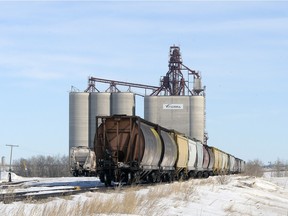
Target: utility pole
{"x":10,"y":179}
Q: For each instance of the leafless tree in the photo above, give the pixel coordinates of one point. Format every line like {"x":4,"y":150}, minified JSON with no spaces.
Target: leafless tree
{"x":43,"y":166}
{"x":280,"y":168}
{"x":254,"y":168}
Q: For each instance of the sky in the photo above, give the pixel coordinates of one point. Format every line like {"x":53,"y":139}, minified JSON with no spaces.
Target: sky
{"x":240,"y":48}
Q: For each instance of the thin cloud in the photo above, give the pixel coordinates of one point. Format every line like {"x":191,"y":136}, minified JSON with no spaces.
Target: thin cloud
{"x":38,"y":74}
{"x":41,"y":66}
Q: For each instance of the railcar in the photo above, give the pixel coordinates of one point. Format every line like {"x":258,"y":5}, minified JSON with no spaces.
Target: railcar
{"x":211,"y":160}
{"x":169,"y":155}
{"x":231,"y":166}
{"x":182,"y":156}
{"x":242,"y":166}
{"x":82,"y":161}
{"x":192,"y":161}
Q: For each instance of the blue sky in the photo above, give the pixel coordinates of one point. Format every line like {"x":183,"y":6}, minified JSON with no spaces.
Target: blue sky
{"x":240,"y":47}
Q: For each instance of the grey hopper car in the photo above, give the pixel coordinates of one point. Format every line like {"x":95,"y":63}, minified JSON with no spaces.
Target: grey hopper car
{"x":82,"y":161}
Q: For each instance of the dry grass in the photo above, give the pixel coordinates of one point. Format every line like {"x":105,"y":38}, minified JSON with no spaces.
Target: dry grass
{"x":9,"y":196}
{"x":133,"y":200}
{"x":223,"y":179}
{"x":230,"y":208}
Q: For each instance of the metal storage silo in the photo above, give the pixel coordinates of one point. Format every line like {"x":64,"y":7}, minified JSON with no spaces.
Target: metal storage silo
{"x":99,"y":104}
{"x":122,"y":103}
{"x":78,"y":119}
{"x":197,"y":117}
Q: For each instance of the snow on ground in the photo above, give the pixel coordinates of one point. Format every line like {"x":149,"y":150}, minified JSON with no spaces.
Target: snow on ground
{"x":218,"y":195}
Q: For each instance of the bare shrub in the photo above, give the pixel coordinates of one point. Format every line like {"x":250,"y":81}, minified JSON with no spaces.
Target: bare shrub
{"x":279,"y":169}
{"x":189,"y":190}
{"x":230,"y":208}
{"x":223,"y":179}
{"x":9,"y":196}
{"x":206,"y":181}
{"x":254,"y":168}
{"x":29,"y":199}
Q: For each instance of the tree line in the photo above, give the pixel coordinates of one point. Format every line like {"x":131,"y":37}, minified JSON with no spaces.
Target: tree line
{"x":42,"y":166}
{"x":256,"y":168}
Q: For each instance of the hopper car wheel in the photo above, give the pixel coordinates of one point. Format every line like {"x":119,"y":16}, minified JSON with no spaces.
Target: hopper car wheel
{"x":165,"y":178}
{"x":75,"y":173}
{"x":136,"y":179}
{"x":173,"y":177}
{"x":199,"y":174}
{"x":169,"y":177}
{"x":205,"y":174}
{"x":191,"y":174}
{"x":181,"y":176}
{"x":130,"y":178}
{"x":123,"y":177}
{"x":152,"y":178}
{"x":157,"y":177}
{"x":102,"y":180}
{"x":147,"y":178}
{"x":107,"y":180}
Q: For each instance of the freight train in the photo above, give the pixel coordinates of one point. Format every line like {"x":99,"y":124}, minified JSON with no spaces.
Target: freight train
{"x":131,"y":150}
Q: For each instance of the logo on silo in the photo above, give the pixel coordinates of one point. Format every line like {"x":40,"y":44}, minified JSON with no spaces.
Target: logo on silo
{"x":172,"y":106}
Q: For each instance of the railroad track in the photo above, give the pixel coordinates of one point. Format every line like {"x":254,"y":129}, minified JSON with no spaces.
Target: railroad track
{"x":32,"y":195}
{"x":29,"y":194}
{"x":33,"y":190}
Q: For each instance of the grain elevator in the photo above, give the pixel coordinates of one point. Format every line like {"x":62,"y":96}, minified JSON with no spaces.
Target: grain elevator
{"x":174,"y":105}
{"x":177,"y":103}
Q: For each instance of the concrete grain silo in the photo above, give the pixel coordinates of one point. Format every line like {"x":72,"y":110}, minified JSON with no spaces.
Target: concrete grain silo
{"x":122,"y":103}
{"x":197,"y":118}
{"x":85,"y":106}
{"x":99,"y":104}
{"x":171,"y":112}
{"x":78,"y":119}
{"x":185,"y":114}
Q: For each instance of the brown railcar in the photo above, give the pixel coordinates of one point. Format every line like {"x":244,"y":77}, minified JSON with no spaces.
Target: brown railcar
{"x":130,"y":149}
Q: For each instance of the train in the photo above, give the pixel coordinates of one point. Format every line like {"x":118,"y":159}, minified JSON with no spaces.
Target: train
{"x":131,"y":150}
